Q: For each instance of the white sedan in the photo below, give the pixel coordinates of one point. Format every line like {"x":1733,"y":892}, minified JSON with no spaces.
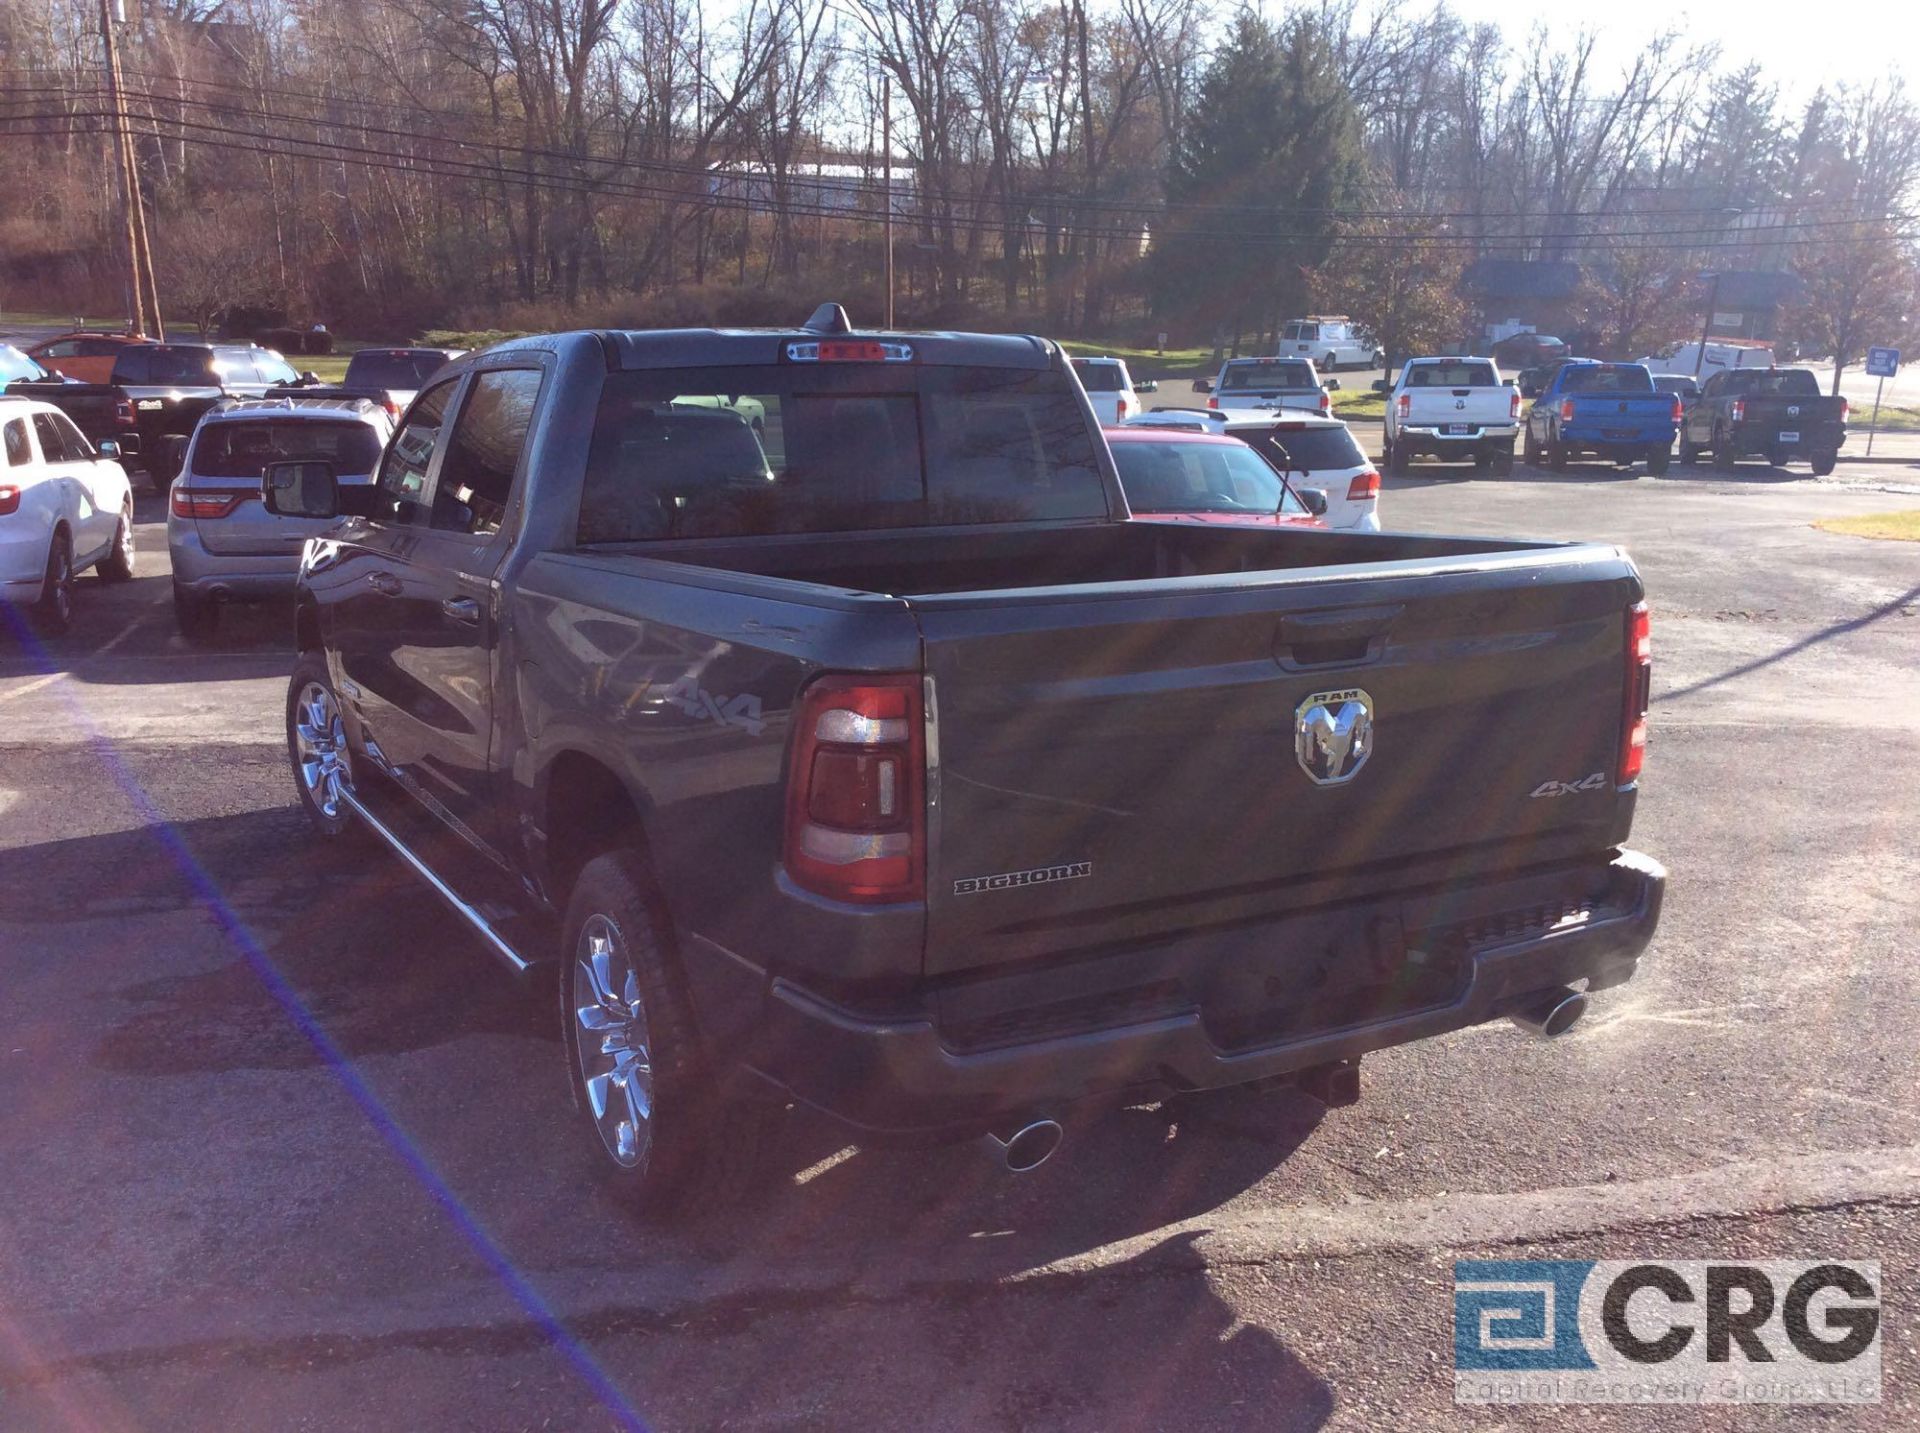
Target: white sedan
{"x":63,"y":508}
{"x":1314,"y":451}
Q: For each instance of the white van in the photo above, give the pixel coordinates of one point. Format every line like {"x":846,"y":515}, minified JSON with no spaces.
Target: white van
{"x":1331,"y":342}
{"x":1721,"y":354}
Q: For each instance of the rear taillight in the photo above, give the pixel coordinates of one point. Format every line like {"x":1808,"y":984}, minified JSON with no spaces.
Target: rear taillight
{"x":1639,"y":694}
{"x":1846,"y":410}
{"x":1213,"y":403}
{"x":1363,"y":487}
{"x":1403,"y":405}
{"x":1566,"y":410}
{"x":1679,"y":408}
{"x":206,"y":503}
{"x":856,"y":791}
{"x":1737,"y":410}
{"x":1121,"y":408}
{"x":123,"y":413}
{"x":1513,"y":406}
{"x":1326,"y":402}
{"x":9,"y":499}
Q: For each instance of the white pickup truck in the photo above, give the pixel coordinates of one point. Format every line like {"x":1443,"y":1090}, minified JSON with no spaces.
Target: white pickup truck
{"x":1454,"y":409}
{"x":1266,"y":385}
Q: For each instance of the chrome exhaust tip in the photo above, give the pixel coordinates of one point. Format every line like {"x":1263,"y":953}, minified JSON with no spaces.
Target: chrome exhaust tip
{"x":1025,"y":1148}
{"x":1548,"y":1014}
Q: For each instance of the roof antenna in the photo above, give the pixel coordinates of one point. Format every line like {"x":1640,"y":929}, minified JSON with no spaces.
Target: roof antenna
{"x":828,"y":318}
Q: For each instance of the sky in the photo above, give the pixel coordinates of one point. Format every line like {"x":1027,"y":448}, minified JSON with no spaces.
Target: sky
{"x":1801,"y":45}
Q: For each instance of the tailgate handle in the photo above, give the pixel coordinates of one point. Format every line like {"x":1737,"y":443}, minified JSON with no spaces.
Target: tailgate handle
{"x":1318,"y":639}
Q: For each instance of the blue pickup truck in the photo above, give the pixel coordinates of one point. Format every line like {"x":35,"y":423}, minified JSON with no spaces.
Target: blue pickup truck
{"x":1611,"y":410}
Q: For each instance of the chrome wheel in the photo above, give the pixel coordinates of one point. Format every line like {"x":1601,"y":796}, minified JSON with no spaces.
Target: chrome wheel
{"x":320,"y":748}
{"x":611,"y":1041}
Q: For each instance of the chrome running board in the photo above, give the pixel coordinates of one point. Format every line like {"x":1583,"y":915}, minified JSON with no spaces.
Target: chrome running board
{"x":515,"y":962}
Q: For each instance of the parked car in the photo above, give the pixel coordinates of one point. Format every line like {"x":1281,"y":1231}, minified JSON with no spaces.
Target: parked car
{"x":83,"y":357}
{"x":64,"y":507}
{"x":1611,"y":410}
{"x":1778,"y":414}
{"x":1110,"y":388}
{"x":1456,"y":409}
{"x":387,"y":376}
{"x":1333,"y":342}
{"x":1320,"y":452}
{"x":1181,"y":474}
{"x":16,"y":365}
{"x":889,"y":769}
{"x":224,"y":544}
{"x":1718,"y":354}
{"x":157,"y":393}
{"x":1266,"y":385}
{"x":1526,"y":350}
{"x":1683,"y":386}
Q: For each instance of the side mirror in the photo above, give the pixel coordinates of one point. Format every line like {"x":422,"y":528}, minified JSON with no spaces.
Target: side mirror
{"x":1151,"y":385}
{"x":1314,"y":498}
{"x":1529,"y":390}
{"x":1200,"y":385}
{"x":108,"y":450}
{"x":306,"y":488}
{"x":1332,"y":385}
{"x":309,"y":377}
{"x":1380,"y":385}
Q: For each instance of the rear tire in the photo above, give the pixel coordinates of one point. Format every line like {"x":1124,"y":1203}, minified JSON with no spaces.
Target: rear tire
{"x":1556,"y":455}
{"x":117,"y":565}
{"x":53,"y":613}
{"x":656,"y":1124}
{"x":1530,"y":450}
{"x":1398,"y":460}
{"x":1657,"y":461}
{"x":1723,"y":455}
{"x":1327,"y":365}
{"x":1689,"y":455}
{"x":1482,"y":461}
{"x":1503,"y":464}
{"x":1823,"y":463}
{"x":196,"y":617}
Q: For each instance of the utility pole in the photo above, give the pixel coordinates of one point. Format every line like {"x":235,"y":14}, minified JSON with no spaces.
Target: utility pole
{"x":1706,"y":331}
{"x":144,"y":309}
{"x":886,"y":186}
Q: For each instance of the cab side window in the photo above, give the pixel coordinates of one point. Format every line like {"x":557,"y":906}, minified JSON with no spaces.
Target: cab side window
{"x":51,"y":448}
{"x":72,"y":441}
{"x":19,"y":450}
{"x":403,"y":472}
{"x":476,"y":476}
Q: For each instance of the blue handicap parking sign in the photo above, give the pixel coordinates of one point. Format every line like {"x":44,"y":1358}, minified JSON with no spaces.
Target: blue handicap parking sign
{"x":1883,"y":362}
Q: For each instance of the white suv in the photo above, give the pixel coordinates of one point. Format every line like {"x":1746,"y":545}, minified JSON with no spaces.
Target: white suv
{"x":1314,"y":451}
{"x":64,"y":507}
{"x":1331,"y":342}
{"x":1110,"y":387}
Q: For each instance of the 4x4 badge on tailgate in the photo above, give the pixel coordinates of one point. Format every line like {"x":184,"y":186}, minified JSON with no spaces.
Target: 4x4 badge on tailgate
{"x":1333,"y":735}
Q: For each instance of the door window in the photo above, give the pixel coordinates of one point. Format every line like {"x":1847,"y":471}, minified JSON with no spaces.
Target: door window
{"x":19,"y":450}
{"x":51,"y":449}
{"x":403,"y":472}
{"x":73,"y":443}
{"x":476,"y":476}
{"x":99,"y":347}
{"x":66,"y":348}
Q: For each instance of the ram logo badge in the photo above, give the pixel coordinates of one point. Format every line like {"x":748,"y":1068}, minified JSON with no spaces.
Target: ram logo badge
{"x":1570,"y":788}
{"x":1333,"y":735}
{"x":1008,"y":880}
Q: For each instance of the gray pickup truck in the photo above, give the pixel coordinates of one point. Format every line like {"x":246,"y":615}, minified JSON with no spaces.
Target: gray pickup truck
{"x":807,"y":705}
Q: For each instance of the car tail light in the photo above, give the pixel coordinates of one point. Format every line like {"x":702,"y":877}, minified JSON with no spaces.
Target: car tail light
{"x":849,"y":350}
{"x":1639,"y":694}
{"x":1213,"y":403}
{"x":1121,"y":408}
{"x":1737,"y":410}
{"x":123,"y":413}
{"x":1513,"y":406}
{"x":1566,"y":410}
{"x":1326,"y":403}
{"x":205,"y":503}
{"x":1846,"y":409}
{"x":1363,"y":487}
{"x":9,"y":499}
{"x":1403,"y":405}
{"x":856,"y":802}
{"x":1679,"y":408}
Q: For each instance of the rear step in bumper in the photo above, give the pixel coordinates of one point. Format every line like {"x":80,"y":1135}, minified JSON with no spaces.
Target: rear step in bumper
{"x":898,"y":1075}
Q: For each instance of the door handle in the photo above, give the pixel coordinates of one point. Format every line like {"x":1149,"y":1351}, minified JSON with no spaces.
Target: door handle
{"x":461,"y":609}
{"x":385,"y":583}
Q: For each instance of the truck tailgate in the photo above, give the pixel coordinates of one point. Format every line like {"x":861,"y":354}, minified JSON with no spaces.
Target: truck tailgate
{"x":1629,"y":413}
{"x":1116,"y":761}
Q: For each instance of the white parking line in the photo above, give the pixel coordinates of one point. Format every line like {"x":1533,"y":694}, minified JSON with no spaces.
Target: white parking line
{"x":41,"y":683}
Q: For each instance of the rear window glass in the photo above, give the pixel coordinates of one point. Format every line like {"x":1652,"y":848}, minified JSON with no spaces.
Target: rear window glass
{"x":1452,"y":375}
{"x":1162,"y":477}
{"x":405,"y":371}
{"x":1099,"y":377}
{"x":1775,"y":383}
{"x":1679,"y":383}
{"x":1310,"y":449}
{"x":243,"y":450}
{"x":723,"y":452}
{"x":1280,"y":373}
{"x":1607,"y":378}
{"x":145,"y":363}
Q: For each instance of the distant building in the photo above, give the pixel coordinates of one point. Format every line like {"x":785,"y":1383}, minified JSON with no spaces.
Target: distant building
{"x":1747,"y":302}
{"x":1509,"y":296}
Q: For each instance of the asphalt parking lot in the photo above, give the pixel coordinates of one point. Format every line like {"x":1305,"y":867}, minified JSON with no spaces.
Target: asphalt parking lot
{"x":282,"y":1148}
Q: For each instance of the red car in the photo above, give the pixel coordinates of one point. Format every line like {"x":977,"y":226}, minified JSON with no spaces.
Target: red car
{"x":1172,"y":474}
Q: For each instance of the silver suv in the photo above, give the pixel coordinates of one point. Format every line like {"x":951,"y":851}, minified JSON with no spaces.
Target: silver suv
{"x":224,"y":544}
